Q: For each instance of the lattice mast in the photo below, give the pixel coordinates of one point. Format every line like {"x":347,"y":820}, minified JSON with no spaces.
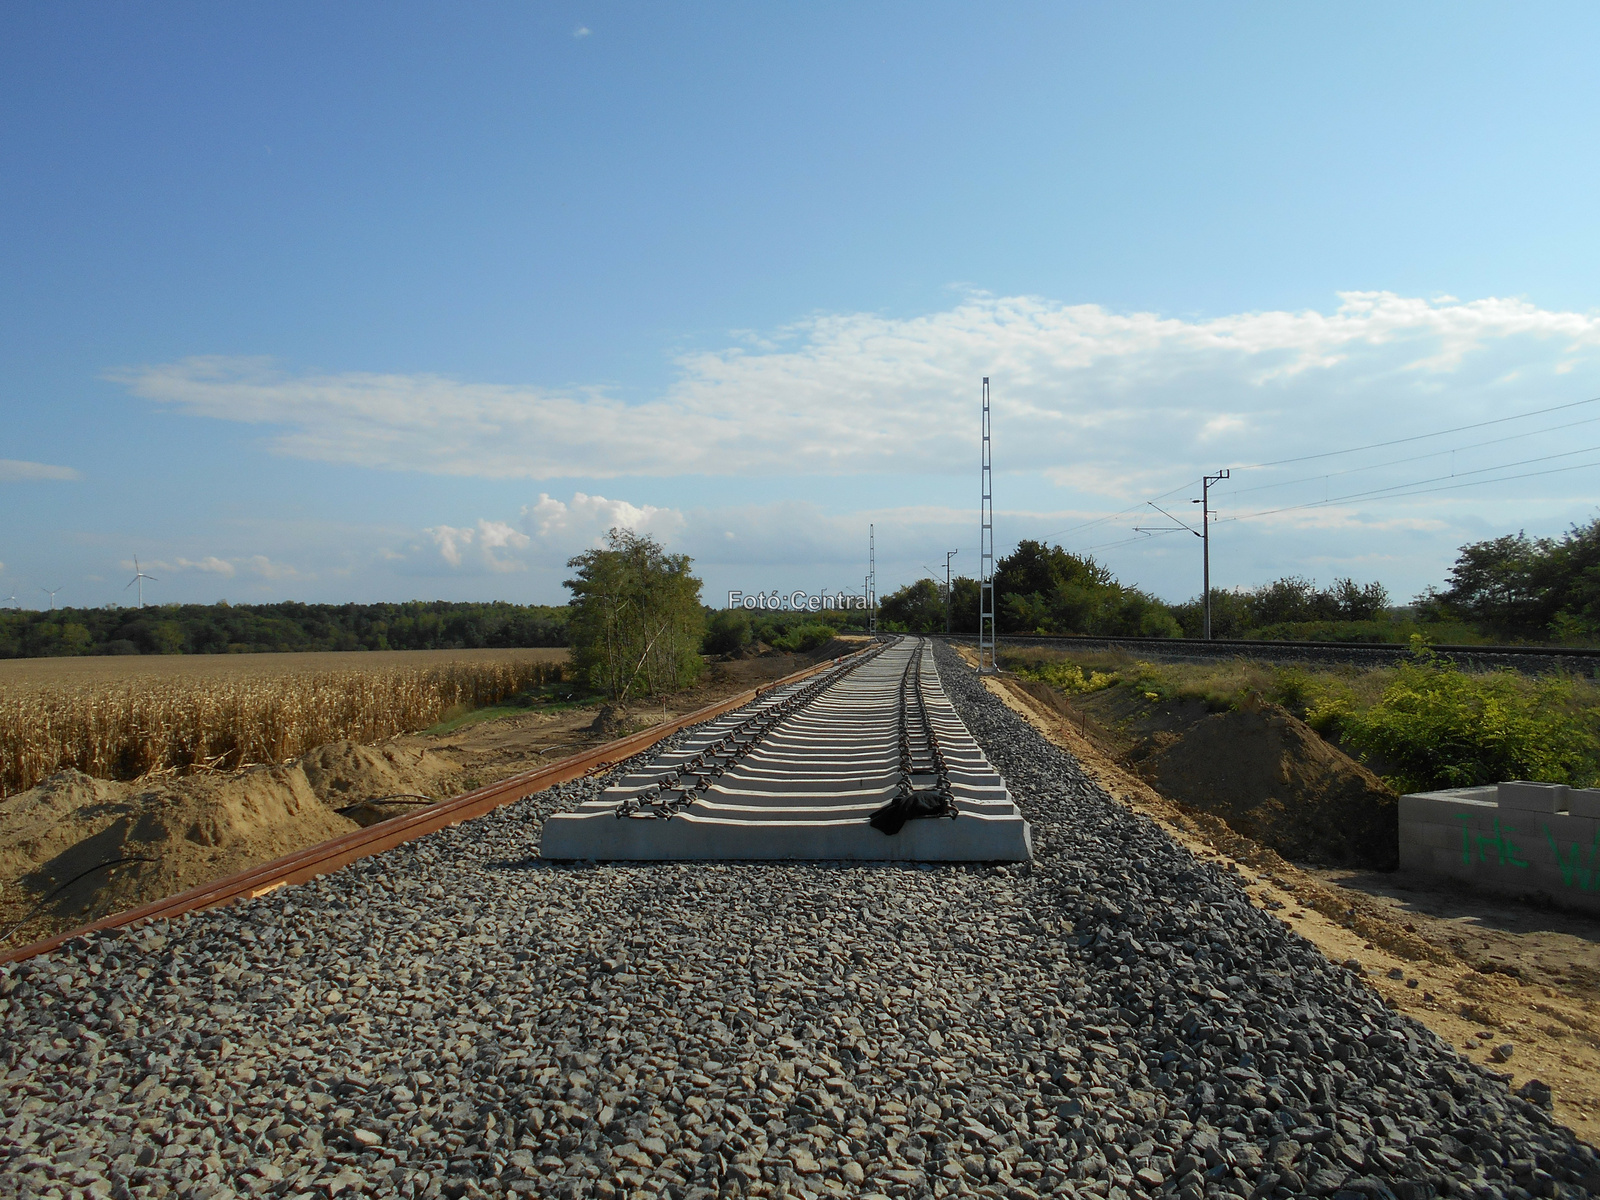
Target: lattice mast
{"x":986,"y":628}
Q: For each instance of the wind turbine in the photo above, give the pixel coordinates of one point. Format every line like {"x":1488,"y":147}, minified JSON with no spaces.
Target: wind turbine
{"x":51,"y":592}
{"x":138,"y":578}
{"x":12,"y":599}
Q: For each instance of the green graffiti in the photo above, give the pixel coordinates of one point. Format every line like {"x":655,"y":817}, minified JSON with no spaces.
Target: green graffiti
{"x":1573,"y":870}
{"x":1506,"y":852}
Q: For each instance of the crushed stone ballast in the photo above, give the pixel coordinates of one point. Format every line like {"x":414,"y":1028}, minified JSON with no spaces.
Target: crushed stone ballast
{"x":457,"y":1018}
{"x":869,"y":762}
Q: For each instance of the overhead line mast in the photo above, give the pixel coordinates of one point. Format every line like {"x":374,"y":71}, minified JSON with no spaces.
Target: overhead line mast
{"x":1205,"y":538}
{"x":986,"y":640}
{"x":872,"y":580}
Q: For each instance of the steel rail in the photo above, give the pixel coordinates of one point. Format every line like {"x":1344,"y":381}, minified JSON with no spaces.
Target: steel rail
{"x":326,"y":857}
{"x":1261,"y":644}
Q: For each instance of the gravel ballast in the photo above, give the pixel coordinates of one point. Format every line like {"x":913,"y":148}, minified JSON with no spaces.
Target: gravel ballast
{"x":458,"y":1018}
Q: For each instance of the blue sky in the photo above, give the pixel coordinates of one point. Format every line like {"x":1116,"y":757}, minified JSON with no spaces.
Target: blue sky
{"x":368,"y":302}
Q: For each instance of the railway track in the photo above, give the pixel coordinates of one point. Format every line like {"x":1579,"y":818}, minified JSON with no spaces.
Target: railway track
{"x":458,"y":1017}
{"x":868,"y":761}
{"x":316,"y":861}
{"x":1531,"y":660}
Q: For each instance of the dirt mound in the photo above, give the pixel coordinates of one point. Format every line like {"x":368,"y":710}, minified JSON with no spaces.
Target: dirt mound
{"x":609,"y":721}
{"x":356,"y":779}
{"x":117,"y":845}
{"x":85,"y":848}
{"x":1274,"y":780}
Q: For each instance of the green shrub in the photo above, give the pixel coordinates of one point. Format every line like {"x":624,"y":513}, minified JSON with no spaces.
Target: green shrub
{"x":1069,"y":677}
{"x":1437,"y":727}
{"x":804,"y":638}
{"x":727,"y":632}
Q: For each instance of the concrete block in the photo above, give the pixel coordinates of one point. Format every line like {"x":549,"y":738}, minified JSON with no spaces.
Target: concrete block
{"x":1584,"y":802}
{"x":1444,"y":837}
{"x":1524,"y":795}
{"x":1444,"y":806}
{"x":1414,"y":856}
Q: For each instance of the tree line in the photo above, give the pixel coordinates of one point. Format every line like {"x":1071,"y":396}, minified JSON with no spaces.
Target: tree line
{"x":225,"y":628}
{"x":637,"y":624}
{"x":1512,"y":588}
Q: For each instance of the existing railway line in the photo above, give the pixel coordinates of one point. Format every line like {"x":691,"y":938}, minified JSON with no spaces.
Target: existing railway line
{"x":1530,"y":660}
{"x":456,"y":1016}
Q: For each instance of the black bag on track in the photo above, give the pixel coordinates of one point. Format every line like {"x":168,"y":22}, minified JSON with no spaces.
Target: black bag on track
{"x":908,"y":806}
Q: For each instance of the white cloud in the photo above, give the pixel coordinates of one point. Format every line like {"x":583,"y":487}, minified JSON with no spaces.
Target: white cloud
{"x":862,"y":393}
{"x":451,"y":542}
{"x":582,"y":31}
{"x":491,"y":545}
{"x":257,"y":565}
{"x":211,"y":564}
{"x":588,"y":518}
{"x":16,"y":471}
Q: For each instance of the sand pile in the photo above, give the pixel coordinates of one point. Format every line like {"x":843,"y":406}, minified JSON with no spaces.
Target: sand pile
{"x":1274,"y":780}
{"x":118,"y":845}
{"x":373,"y":783}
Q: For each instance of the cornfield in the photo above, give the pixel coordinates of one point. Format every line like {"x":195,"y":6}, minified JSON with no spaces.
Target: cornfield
{"x":127,"y":729}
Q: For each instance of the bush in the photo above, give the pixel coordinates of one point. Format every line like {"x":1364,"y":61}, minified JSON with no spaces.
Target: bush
{"x":728,"y":632}
{"x":1436,"y":727}
{"x":804,"y":638}
{"x":1069,"y":677}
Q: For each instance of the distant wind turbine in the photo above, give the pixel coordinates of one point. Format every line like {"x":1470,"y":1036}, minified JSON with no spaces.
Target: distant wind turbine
{"x":12,"y":599}
{"x":51,"y":592}
{"x":138,"y":578}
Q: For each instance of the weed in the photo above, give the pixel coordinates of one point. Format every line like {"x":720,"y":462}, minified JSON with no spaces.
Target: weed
{"x":1438,"y":727}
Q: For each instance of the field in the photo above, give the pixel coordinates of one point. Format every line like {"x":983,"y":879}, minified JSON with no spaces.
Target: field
{"x":124,"y":718}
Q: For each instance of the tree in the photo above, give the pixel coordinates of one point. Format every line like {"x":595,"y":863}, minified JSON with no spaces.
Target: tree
{"x":727,"y":632}
{"x":916,"y":608}
{"x":1503,"y":585}
{"x":965,"y":600}
{"x":636,"y":621}
{"x":1045,"y":589}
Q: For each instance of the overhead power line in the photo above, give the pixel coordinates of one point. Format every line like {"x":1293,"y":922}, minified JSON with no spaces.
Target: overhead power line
{"x":1131,"y":509}
{"x":1417,"y":483}
{"x":1538,"y":412}
{"x":1394,"y":462}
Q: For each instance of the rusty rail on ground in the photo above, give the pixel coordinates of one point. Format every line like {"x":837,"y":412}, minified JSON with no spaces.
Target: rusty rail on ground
{"x":327,"y":857}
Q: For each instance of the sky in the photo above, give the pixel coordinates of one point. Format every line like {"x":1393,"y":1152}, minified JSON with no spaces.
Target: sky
{"x":385,"y":302}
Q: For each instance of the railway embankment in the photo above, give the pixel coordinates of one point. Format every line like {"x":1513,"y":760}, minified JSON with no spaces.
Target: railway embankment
{"x":459,"y":1018}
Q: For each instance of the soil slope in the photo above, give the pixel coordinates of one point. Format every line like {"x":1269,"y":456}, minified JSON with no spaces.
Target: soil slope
{"x":1270,"y":776}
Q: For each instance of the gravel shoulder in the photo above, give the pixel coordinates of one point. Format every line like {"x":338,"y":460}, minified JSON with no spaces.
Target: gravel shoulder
{"x":1512,"y":987}
{"x":457,"y":1018}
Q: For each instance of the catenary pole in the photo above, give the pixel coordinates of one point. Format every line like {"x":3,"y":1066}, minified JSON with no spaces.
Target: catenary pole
{"x":1205,"y":542}
{"x":948,"y":555}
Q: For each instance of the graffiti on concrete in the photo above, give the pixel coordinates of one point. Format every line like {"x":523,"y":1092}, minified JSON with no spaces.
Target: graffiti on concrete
{"x":1577,"y":868}
{"x":1500,"y":842}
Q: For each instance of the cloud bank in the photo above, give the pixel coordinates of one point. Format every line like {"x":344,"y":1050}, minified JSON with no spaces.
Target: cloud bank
{"x":1092,"y":396}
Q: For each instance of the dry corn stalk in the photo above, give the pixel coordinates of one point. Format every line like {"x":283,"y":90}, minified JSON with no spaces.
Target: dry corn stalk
{"x":123,"y":731}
